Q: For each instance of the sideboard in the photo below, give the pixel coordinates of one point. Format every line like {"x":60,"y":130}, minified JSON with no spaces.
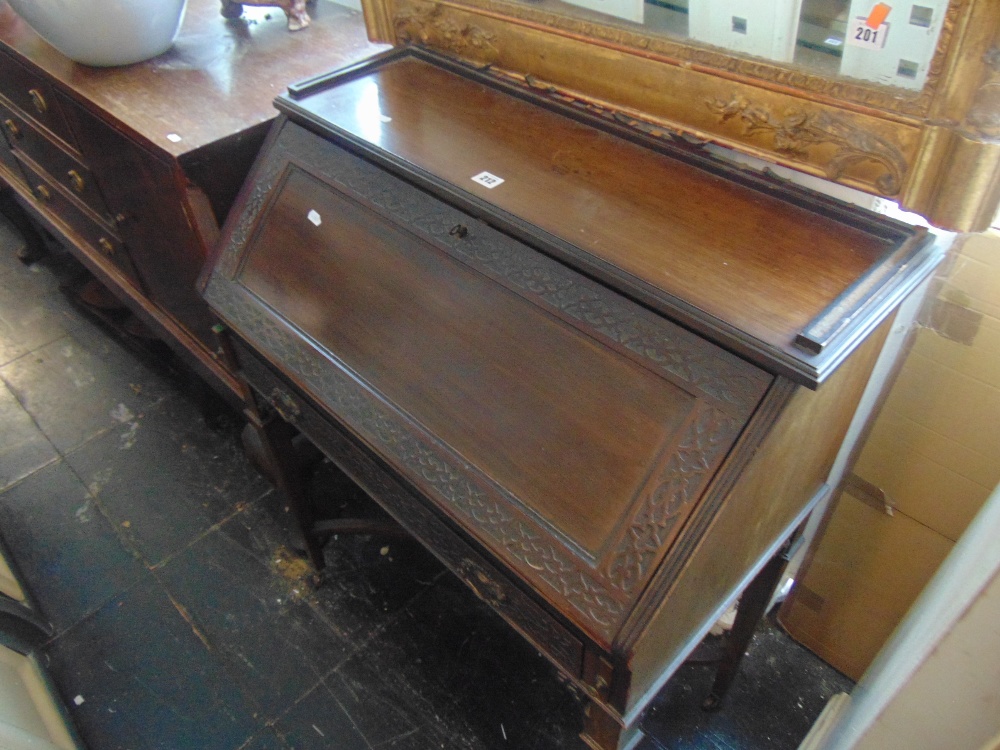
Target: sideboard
{"x":602,"y":376}
{"x":134,"y":168}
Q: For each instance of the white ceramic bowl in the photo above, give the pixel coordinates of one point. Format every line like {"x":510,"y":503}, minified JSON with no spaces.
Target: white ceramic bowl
{"x":105,"y":32}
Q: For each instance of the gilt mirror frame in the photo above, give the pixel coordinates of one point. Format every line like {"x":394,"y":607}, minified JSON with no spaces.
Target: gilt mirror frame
{"x":936,"y":150}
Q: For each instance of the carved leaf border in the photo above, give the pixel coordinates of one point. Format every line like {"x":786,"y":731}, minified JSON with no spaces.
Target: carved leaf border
{"x":796,"y":132}
{"x":671,"y":51}
{"x":416,"y":25}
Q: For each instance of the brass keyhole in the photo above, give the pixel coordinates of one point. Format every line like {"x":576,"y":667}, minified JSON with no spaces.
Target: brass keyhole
{"x":106,"y":246}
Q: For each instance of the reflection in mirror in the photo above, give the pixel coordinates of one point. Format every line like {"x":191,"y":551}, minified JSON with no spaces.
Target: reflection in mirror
{"x":889,"y":43}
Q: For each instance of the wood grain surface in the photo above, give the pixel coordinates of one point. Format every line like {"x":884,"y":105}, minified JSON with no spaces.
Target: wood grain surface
{"x":219,"y":78}
{"x":569,"y":427}
{"x":761,"y":264}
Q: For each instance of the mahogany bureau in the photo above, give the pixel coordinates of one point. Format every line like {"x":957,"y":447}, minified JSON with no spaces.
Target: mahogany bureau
{"x":600,"y":375}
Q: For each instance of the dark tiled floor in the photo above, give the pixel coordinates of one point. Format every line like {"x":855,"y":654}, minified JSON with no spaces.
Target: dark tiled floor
{"x":185,"y":619}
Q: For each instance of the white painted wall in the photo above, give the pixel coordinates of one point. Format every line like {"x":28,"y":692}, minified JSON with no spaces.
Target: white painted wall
{"x":904,"y":41}
{"x":630,"y":10}
{"x":762,"y":28}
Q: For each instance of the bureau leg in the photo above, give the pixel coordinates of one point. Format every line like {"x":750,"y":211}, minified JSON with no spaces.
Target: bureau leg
{"x":753,"y":604}
{"x":273,"y":436}
{"x":604,"y":731}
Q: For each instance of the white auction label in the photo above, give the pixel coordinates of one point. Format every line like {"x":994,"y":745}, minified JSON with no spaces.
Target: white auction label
{"x":487,"y":180}
{"x":860,"y":34}
{"x":314,"y":217}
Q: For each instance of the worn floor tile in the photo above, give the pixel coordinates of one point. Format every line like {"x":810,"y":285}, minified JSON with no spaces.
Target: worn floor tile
{"x":24,"y":448}
{"x":147,"y":680}
{"x":32,"y":313}
{"x":82,"y":385}
{"x":71,"y":558}
{"x":256,"y":618}
{"x":367,"y":578}
{"x":449,"y":667}
{"x":267,"y":739}
{"x":165,"y":478}
{"x":319,"y":722}
{"x":779,"y":691}
{"x":267,"y":530}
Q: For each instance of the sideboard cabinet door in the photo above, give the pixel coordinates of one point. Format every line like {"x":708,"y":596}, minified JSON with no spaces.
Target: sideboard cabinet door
{"x":146,"y":195}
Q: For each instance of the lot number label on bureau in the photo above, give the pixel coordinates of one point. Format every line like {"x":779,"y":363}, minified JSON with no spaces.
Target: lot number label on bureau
{"x":487,"y":180}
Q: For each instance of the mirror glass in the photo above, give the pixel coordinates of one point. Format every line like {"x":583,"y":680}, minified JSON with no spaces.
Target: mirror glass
{"x":888,"y":43}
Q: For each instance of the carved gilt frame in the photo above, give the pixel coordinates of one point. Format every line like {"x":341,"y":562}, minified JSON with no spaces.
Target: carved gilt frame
{"x":936,"y":151}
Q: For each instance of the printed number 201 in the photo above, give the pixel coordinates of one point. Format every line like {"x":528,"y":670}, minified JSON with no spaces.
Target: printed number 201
{"x":863,"y":35}
{"x":867,"y":35}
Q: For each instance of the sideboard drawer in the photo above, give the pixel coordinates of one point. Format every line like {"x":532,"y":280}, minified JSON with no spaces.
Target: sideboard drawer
{"x":31,"y":93}
{"x":61,"y":165}
{"x":105,"y":246}
{"x":6,"y":153}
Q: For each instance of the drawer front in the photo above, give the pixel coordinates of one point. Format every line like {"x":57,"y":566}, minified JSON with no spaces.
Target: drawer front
{"x":62,"y":166}
{"x":31,"y":93}
{"x":7,"y":156}
{"x":106,"y":248}
{"x":568,"y":430}
{"x":482,"y":576}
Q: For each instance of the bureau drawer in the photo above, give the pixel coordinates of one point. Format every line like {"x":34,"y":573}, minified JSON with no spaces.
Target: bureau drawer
{"x":62,"y":166}
{"x":29,"y":92}
{"x":482,"y":576}
{"x":106,"y":248}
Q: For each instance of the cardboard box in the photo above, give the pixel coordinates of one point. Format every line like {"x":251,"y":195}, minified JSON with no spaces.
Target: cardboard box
{"x":933,"y":456}
{"x":866,"y":571}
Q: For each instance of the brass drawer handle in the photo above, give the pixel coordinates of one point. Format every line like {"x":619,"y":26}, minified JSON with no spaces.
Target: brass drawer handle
{"x":43,"y":193}
{"x":76,"y":180}
{"x":285,"y":405}
{"x":12,"y":128}
{"x":481,"y":584}
{"x":107,"y":247}
{"x":38,"y":100}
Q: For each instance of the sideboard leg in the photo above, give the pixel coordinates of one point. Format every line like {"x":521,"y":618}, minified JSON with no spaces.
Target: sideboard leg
{"x":604,"y":731}
{"x":34,"y":247}
{"x":752,"y":605}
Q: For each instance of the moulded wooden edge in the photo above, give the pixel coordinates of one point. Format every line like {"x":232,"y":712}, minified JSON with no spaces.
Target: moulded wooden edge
{"x":809,"y":359}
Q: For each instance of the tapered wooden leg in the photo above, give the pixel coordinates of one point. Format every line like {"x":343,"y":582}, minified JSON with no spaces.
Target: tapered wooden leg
{"x":270,"y":441}
{"x":753,"y":603}
{"x":274,"y":436}
{"x":604,"y":731}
